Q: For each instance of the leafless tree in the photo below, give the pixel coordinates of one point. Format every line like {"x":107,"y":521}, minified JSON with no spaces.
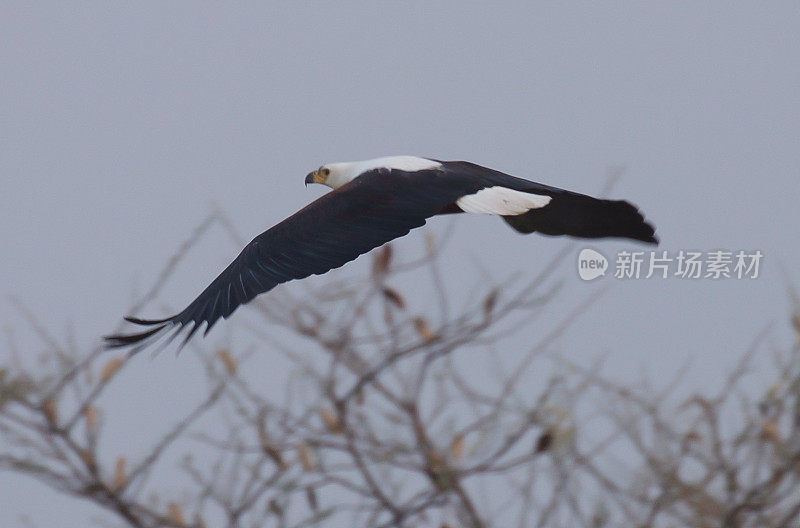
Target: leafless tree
{"x":388,"y":418}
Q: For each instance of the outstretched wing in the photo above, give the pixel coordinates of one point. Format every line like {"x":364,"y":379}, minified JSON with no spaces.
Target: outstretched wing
{"x":371,"y":210}
{"x":562,"y":212}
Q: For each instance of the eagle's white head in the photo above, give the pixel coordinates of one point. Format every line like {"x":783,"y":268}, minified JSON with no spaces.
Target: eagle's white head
{"x":334,"y":175}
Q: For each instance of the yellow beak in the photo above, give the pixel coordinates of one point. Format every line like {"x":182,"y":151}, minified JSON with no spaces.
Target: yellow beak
{"x":315,"y":177}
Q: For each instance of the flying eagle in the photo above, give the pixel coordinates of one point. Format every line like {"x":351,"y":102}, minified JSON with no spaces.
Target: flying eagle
{"x":376,"y":201}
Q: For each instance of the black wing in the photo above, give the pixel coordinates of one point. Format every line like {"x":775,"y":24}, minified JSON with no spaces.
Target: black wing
{"x":371,"y":210}
{"x":568,"y":213}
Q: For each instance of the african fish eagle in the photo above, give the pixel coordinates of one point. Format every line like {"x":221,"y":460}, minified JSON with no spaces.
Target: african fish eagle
{"x":376,"y":201}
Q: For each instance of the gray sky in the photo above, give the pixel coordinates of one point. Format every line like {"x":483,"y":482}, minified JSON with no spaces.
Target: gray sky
{"x":121,"y":125}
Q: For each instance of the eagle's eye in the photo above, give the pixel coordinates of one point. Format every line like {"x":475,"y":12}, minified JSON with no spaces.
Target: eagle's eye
{"x":325,"y":171}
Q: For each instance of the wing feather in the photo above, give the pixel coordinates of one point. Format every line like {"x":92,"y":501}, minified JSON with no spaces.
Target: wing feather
{"x":371,"y":210}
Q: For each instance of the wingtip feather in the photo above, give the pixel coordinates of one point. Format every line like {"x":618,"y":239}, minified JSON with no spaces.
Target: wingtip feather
{"x":146,"y":322}
{"x":123,"y":340}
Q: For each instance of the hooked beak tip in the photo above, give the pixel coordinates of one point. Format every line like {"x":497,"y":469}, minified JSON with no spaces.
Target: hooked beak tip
{"x":310,"y":177}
